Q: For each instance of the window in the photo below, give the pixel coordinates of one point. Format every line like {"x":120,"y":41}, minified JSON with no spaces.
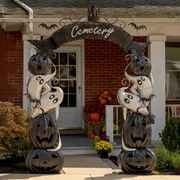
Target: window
{"x":66,"y":74}
{"x":173,"y":70}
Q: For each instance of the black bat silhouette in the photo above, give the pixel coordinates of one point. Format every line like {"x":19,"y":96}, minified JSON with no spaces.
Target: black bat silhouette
{"x":45,"y":26}
{"x":135,"y":26}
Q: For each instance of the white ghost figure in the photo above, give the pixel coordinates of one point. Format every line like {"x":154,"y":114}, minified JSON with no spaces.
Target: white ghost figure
{"x":130,"y":101}
{"x":142,"y":85}
{"x":49,"y":101}
{"x":36,"y":83}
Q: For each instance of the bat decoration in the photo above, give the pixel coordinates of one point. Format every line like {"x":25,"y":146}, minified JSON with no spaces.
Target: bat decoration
{"x":50,"y":27}
{"x":93,"y":13}
{"x":135,"y":26}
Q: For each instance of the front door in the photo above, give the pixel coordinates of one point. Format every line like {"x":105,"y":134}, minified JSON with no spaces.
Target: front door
{"x":68,"y":65}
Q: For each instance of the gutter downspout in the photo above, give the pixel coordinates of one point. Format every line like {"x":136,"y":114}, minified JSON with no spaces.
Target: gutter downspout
{"x":30,"y":11}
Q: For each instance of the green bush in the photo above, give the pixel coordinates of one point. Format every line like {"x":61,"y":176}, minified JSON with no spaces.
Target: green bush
{"x":170,"y":136}
{"x":167,"y":160}
{"x":176,"y":161}
{"x":163,"y":156}
{"x":14,"y":137}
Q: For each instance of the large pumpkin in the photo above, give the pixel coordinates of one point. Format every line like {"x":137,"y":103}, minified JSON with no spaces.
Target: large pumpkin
{"x":140,"y":65}
{"x":95,"y":117}
{"x":39,"y":64}
{"x":43,"y":131}
{"x":136,"y":131}
{"x":44,"y":161}
{"x":138,"y":161}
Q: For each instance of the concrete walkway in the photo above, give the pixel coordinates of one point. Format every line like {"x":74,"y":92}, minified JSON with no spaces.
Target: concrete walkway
{"x":87,"y":167}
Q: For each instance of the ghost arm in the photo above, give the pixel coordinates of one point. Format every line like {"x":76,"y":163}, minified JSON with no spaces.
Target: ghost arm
{"x":133,"y":89}
{"x":124,"y":113}
{"x":151,"y":79}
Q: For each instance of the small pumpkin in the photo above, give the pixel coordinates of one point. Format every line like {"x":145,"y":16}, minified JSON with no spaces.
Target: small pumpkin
{"x":39,"y":64}
{"x":136,"y":131}
{"x":138,"y":161}
{"x":95,"y":117}
{"x":44,"y":161}
{"x":140,"y":65}
{"x":43,"y":131}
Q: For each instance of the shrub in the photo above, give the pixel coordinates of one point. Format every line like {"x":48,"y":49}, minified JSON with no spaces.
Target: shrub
{"x":14,"y":138}
{"x":176,"y":161}
{"x":164,"y":161}
{"x":167,"y":160}
{"x":170,"y":136}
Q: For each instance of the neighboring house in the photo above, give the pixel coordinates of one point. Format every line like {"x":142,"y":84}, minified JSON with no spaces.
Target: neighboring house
{"x":89,"y":66}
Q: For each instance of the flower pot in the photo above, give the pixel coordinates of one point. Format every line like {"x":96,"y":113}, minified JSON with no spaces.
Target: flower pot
{"x":103,"y":154}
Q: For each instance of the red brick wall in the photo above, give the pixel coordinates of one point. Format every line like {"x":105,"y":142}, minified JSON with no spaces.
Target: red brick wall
{"x":104,"y":69}
{"x":11,"y":67}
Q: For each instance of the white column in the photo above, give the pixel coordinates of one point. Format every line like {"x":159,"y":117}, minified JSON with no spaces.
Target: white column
{"x":109,"y":122}
{"x":28,"y":51}
{"x":157,"y":56}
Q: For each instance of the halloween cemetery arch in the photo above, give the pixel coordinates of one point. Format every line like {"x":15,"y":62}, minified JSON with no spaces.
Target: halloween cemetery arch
{"x":89,"y":30}
{"x":135,"y":157}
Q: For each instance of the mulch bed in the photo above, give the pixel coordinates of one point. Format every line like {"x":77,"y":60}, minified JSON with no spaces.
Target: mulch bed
{"x":17,"y":165}
{"x":13,"y":165}
{"x":164,"y":172}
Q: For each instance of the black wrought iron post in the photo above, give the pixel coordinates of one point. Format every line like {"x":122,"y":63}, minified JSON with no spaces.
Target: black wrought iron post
{"x":136,"y":136}
{"x":45,"y":157}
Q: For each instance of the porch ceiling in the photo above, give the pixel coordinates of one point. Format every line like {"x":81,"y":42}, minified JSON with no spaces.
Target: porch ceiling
{"x":113,"y":8}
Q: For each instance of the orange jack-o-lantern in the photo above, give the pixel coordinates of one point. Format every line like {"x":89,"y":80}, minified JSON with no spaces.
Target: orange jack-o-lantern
{"x":95,"y":117}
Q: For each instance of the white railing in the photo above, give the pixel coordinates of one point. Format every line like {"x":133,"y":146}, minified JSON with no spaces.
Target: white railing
{"x":173,"y":110}
{"x":114,"y":118}
{"x":114,"y":121}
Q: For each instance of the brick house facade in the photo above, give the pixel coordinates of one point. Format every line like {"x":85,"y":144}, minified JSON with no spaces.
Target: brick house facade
{"x":104,"y":68}
{"x":11,"y":67}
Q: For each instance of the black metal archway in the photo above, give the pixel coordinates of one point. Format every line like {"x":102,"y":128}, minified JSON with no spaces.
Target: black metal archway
{"x":90,"y":30}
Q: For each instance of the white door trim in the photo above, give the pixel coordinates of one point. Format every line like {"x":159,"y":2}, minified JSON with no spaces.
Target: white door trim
{"x":77,"y":46}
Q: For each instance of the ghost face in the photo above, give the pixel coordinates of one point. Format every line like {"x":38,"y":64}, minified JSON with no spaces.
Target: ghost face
{"x":36,"y":83}
{"x":142,"y":84}
{"x":131,"y":101}
{"x":49,"y":101}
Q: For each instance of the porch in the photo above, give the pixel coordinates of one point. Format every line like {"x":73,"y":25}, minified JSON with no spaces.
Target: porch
{"x":79,"y":143}
{"x":114,"y":112}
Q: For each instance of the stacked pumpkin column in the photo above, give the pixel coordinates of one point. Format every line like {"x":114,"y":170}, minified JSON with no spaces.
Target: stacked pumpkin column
{"x":46,"y":156}
{"x":135,"y":98}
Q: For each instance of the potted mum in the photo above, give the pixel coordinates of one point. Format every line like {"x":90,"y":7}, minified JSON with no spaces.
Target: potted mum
{"x":103,"y":148}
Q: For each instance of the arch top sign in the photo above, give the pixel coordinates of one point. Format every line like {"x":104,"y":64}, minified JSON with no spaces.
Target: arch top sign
{"x":89,"y":30}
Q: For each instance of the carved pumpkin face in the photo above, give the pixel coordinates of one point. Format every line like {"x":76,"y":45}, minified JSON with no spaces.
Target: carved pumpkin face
{"x":140,"y":65}
{"x":39,"y":64}
{"x":43,"y":131}
{"x":136,"y":131}
{"x":44,"y":161}
{"x":138,"y":161}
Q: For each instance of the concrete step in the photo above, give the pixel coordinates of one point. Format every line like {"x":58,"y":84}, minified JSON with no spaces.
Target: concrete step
{"x":87,"y":150}
{"x":78,"y":150}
